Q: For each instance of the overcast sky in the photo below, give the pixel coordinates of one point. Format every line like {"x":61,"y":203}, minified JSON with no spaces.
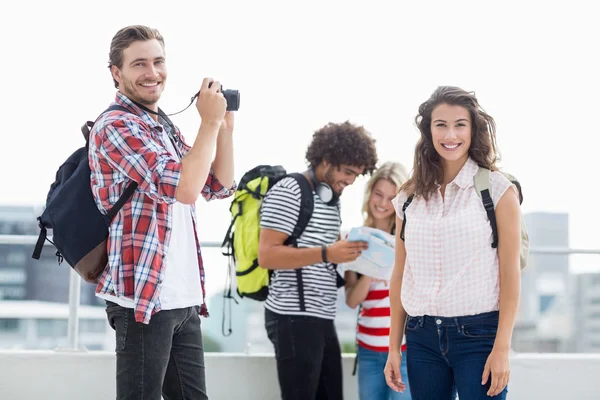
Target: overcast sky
{"x":533,"y":66}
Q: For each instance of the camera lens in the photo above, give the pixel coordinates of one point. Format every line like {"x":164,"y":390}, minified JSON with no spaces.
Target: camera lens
{"x":232,"y":97}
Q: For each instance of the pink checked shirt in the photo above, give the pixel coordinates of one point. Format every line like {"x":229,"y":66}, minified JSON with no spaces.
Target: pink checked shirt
{"x":451,"y":268}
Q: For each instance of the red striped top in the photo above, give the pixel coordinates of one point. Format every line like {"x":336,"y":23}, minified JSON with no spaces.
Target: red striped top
{"x":374,"y":319}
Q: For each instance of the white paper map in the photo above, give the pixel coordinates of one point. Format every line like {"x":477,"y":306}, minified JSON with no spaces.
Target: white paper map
{"x":378,"y":260}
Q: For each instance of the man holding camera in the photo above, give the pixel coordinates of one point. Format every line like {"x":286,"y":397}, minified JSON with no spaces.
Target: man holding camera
{"x":301,"y":305}
{"x":154,"y":281}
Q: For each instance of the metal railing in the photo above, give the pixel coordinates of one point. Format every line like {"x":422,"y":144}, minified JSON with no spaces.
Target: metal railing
{"x":74,"y":285}
{"x":75,"y":280}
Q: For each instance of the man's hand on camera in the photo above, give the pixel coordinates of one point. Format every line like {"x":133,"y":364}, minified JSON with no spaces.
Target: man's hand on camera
{"x":344,"y":251}
{"x":211,"y":104}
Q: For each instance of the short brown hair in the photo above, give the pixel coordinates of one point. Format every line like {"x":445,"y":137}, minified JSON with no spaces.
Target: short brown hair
{"x":427,"y":169}
{"x":343,"y":143}
{"x":124,"y":38}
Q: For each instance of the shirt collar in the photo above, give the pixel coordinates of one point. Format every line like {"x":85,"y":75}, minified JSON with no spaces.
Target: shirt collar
{"x":464,"y":179}
{"x":124,"y":101}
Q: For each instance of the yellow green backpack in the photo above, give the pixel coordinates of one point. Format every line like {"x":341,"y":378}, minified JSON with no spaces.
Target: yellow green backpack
{"x":241,"y":240}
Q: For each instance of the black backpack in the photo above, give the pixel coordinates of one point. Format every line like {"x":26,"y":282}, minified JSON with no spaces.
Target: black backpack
{"x":79,"y":229}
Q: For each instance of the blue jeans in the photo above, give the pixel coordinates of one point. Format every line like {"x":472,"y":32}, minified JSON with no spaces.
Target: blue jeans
{"x":448,"y":354}
{"x":371,"y":379}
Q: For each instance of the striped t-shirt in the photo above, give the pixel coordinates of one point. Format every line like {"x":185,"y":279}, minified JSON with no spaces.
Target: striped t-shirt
{"x":280,"y":211}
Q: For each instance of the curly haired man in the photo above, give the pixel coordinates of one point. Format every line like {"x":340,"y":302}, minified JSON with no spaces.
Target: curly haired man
{"x":301,"y":305}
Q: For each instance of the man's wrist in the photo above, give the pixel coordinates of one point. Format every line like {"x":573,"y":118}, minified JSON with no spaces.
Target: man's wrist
{"x":211,"y":124}
{"x":324,"y":254}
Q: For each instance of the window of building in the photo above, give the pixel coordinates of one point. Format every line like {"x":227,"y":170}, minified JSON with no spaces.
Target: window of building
{"x":52,"y":327}
{"x":16,"y":258}
{"x":11,"y":292}
{"x":92,"y":325}
{"x":9,"y":324}
{"x":595,"y":301}
{"x":546,"y":302}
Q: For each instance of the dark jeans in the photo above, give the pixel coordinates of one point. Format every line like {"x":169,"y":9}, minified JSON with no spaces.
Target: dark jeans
{"x":308,"y":354}
{"x":164,"y":357}
{"x":448,"y":354}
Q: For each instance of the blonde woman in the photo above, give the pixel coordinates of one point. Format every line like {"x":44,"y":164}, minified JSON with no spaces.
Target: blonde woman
{"x":373,"y":295}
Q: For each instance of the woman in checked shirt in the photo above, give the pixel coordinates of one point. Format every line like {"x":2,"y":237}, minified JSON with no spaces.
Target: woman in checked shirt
{"x":456,"y":295}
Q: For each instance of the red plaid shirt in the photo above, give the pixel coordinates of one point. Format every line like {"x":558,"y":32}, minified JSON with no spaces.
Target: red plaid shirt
{"x":126,"y":147}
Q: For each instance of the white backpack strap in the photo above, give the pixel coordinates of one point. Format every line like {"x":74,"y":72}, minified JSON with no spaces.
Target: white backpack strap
{"x":482,"y":180}
{"x":482,"y":187}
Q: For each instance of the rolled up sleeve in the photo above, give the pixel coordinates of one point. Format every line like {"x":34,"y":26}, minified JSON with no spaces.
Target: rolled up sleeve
{"x":214,"y":189}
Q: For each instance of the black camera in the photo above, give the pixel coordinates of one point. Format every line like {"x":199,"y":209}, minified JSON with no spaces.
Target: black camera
{"x":232,"y":97}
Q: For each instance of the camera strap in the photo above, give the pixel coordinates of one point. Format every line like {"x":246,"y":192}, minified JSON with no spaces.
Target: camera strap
{"x":161,"y":112}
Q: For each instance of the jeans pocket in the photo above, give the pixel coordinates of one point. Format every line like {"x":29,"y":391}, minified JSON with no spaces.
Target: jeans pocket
{"x":110,"y":306}
{"x":270,"y":326}
{"x":413,"y":323}
{"x":483,"y":330}
{"x":283,"y":335}
{"x":118,"y":320}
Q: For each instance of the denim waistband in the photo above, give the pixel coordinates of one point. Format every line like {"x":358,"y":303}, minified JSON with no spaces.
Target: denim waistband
{"x":491,"y":316}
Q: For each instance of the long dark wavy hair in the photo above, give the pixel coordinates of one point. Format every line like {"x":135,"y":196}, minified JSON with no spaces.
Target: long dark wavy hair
{"x":427,"y":169}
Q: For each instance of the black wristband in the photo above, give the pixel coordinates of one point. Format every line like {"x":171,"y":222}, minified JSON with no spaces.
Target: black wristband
{"x":324,"y":253}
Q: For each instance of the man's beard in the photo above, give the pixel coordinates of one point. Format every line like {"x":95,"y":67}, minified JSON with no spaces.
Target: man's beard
{"x":330,"y":180}
{"x":133,"y":94}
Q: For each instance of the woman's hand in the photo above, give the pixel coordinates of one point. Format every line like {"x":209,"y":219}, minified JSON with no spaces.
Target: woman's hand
{"x":498,"y":365}
{"x":392,"y":371}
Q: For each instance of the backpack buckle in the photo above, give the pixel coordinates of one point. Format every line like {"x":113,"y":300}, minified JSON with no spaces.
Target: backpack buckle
{"x":488,"y":204}
{"x":407,"y":202}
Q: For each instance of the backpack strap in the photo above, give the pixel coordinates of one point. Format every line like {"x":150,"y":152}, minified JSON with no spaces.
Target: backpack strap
{"x":306,"y":210}
{"x":404,"y":207}
{"x":166,"y":118}
{"x":482,"y":187}
{"x":86,"y":128}
{"x":130,"y":189}
{"x":116,"y":107}
{"x":39,"y":245}
{"x":306,"y":207}
{"x":360,"y":306}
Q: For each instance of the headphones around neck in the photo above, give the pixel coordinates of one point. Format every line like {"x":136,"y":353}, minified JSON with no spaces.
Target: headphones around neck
{"x":323,"y":190}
